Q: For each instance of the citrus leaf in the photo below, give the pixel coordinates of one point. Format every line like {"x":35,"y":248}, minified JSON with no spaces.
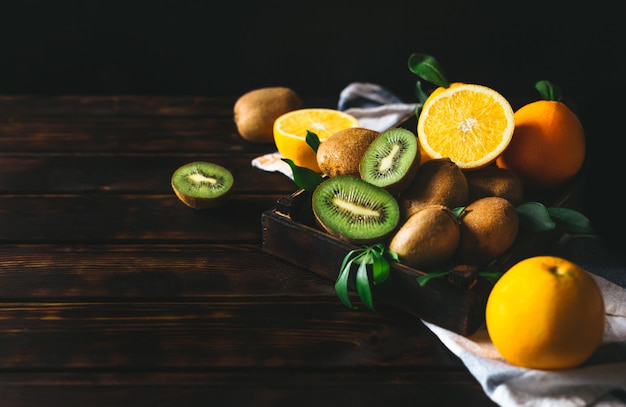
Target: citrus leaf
{"x":422,"y":280}
{"x":427,"y":68}
{"x":534,"y":217}
{"x":574,"y":221}
{"x":492,"y":276}
{"x":341,"y":284}
{"x":549,"y":91}
{"x":458,"y":211}
{"x":312,"y":140}
{"x":349,"y":257}
{"x":304,"y":178}
{"x":363,"y":286}
{"x":393,"y":255}
{"x":419,"y":92}
{"x":380,"y":268}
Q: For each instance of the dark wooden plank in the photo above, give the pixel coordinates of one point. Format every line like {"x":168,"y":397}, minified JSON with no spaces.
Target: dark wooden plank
{"x":125,"y":173}
{"x":139,"y":135}
{"x":373,"y":387}
{"x":220,"y":332}
{"x":105,"y":218}
{"x":42,"y":106}
{"x":148,"y":272}
{"x":17,"y":107}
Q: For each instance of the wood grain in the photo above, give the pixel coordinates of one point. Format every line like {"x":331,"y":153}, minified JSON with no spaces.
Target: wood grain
{"x":113,"y":292}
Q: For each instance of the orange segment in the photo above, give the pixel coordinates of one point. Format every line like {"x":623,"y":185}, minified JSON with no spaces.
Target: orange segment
{"x":470,"y":124}
{"x":290,"y":131}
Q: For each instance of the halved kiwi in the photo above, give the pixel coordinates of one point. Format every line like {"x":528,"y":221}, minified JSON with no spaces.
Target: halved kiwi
{"x":354,"y":210}
{"x":391,"y":160}
{"x":202,"y":185}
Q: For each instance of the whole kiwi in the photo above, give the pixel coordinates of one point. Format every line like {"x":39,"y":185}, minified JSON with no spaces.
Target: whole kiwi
{"x":354,"y":210}
{"x":256,"y":111}
{"x":437,"y":181}
{"x":495,"y":181}
{"x":489,"y":228}
{"x":428,"y":238}
{"x":391,"y":160}
{"x":340,"y":154}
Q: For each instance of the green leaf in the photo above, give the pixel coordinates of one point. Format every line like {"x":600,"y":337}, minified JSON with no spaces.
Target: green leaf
{"x":422,"y":280}
{"x":419,"y":92}
{"x":574,"y":221}
{"x":380,"y":268}
{"x":492,"y":276}
{"x":427,"y":68}
{"x":549,"y":91}
{"x":341,"y":284}
{"x":374,"y":255}
{"x":304,"y":178}
{"x":534,"y":217}
{"x":363,"y":286}
{"x":458,"y":210}
{"x":312,"y":140}
{"x":392,"y":255}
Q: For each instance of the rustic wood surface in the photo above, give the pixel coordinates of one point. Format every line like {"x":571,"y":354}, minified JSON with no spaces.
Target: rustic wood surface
{"x":112,"y":292}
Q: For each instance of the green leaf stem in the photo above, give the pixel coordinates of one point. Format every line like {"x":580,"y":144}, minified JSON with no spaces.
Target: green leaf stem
{"x":427,"y":68}
{"x":304,"y":178}
{"x":549,"y":91}
{"x":574,"y":221}
{"x":312,"y":140}
{"x":373,"y":256}
{"x":534,"y":217}
{"x":422,"y":280}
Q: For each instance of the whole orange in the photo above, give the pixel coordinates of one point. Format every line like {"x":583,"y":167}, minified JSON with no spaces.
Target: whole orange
{"x":548,"y":144}
{"x":545,"y":312}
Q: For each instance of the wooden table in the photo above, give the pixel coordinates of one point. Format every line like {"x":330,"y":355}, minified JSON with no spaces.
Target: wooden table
{"x":112,"y":292}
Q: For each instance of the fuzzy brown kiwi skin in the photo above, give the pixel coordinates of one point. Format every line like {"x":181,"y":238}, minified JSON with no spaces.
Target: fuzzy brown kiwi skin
{"x":255,"y":111}
{"x":489,"y":227}
{"x":428,"y":238}
{"x":204,"y":203}
{"x":495,"y":181}
{"x":437,"y":181}
{"x":341,"y":153}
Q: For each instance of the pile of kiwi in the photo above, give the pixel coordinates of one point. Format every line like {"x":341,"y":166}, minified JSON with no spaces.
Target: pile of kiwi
{"x":432,"y":214}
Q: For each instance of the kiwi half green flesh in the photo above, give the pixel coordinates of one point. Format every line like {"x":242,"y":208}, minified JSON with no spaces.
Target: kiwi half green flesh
{"x":202,"y":185}
{"x":391,"y":160}
{"x":354,"y":210}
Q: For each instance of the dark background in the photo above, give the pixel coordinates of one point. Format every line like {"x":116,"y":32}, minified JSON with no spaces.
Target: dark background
{"x":227,"y":47}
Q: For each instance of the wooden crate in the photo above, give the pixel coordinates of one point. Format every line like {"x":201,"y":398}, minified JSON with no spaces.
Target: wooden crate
{"x":456,"y":303}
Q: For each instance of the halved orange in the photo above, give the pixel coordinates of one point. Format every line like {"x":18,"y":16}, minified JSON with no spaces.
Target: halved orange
{"x":468,"y":123}
{"x":290,"y":130}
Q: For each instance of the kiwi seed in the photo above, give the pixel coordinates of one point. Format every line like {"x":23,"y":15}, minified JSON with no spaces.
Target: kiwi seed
{"x":391,"y":160}
{"x":354,"y":210}
{"x":202,"y":185}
